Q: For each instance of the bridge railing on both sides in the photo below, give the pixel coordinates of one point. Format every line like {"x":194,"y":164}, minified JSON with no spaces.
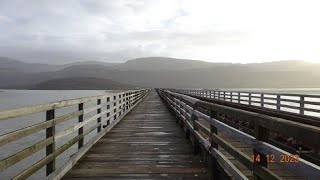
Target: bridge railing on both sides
{"x":93,"y":118}
{"x":196,"y":114}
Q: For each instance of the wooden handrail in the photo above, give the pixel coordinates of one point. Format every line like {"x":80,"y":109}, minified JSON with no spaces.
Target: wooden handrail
{"x":187,"y":108}
{"x":304,"y":103}
{"x":116,"y":105}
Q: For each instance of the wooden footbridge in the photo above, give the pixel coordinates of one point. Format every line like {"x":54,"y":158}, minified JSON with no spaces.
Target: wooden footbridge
{"x":163,"y":134}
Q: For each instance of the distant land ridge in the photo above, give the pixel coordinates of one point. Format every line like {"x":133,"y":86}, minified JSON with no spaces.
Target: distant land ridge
{"x":167,"y":72}
{"x":80,"y":83}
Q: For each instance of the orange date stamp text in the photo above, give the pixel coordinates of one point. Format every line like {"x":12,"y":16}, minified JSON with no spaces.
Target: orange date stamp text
{"x":272,"y":158}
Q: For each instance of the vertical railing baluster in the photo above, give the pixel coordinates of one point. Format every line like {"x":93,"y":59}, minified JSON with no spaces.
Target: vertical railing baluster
{"x":130,"y":98}
{"x":278,"y":102}
{"x":213,"y":163}
{"x":262,"y":100}
{"x":108,"y":113}
{"x":120,"y":105}
{"x":50,"y":133}
{"x":99,"y":118}
{"x":114,"y":107}
{"x":224,"y":95}
{"x":239,"y":97}
{"x":196,"y":146}
{"x":80,"y":130}
{"x":250,"y":99}
{"x":124,"y":103}
{"x":127,"y":101}
{"x":301,"y":108}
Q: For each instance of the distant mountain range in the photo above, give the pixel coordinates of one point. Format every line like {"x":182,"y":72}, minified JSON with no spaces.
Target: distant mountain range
{"x":160,"y":72}
{"x":80,"y":83}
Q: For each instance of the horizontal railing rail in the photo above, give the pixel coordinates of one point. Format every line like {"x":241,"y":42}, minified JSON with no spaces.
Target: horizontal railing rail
{"x":303,"y":104}
{"x":107,"y":111}
{"x":194,"y":112}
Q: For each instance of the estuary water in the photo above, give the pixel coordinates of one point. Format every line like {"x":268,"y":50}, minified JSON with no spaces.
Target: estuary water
{"x":10,"y":99}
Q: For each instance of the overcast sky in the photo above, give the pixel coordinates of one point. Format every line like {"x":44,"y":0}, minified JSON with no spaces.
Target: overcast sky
{"x":60,"y":31}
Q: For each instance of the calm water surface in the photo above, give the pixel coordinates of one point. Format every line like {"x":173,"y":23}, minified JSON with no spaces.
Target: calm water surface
{"x":10,"y":99}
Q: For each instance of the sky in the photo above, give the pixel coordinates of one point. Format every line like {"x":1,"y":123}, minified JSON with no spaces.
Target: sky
{"x":235,"y":31}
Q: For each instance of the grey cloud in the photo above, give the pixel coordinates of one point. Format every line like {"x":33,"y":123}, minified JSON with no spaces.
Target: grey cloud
{"x":65,"y":31}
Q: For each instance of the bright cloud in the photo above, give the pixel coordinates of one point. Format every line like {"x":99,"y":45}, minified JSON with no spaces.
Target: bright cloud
{"x":218,"y":31}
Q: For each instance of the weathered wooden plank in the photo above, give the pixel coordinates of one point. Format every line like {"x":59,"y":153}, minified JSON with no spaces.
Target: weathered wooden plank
{"x":15,"y":135}
{"x":13,"y":159}
{"x":72,"y":161}
{"x":50,"y":148}
{"x":135,"y":176}
{"x":45,"y":107}
{"x":51,"y":152}
{"x":134,"y":169}
{"x":266,"y":173}
{"x":146,"y":142}
{"x":35,"y":167}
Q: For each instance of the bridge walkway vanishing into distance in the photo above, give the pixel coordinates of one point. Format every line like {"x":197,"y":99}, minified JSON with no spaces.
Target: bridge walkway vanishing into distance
{"x":168,"y":134}
{"x":146,"y":144}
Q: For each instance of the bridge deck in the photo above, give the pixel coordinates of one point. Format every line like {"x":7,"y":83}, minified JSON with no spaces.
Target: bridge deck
{"x":146,"y":144}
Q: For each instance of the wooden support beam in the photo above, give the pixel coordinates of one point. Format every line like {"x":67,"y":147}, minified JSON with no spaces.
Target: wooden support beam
{"x":50,"y":133}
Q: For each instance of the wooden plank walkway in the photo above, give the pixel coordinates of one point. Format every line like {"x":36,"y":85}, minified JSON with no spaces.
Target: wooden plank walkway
{"x":146,"y":144}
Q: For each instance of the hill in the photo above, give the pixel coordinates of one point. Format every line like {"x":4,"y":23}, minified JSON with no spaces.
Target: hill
{"x":80,"y":83}
{"x":178,"y":73}
{"x":13,"y":65}
{"x":163,"y":63}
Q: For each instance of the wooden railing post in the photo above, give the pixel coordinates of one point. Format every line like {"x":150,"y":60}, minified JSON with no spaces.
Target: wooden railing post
{"x":131,"y":97}
{"x":179,"y":105}
{"x":196,"y":146}
{"x":108,"y":113}
{"x":210,"y":94}
{"x":218,"y":94}
{"x":261,"y":134}
{"x":99,"y":118}
{"x":262,"y":100}
{"x":301,"y":107}
{"x":250,"y":99}
{"x":213,"y":163}
{"x":80,"y":130}
{"x":231,"y":96}
{"x":175,"y":105}
{"x":239,"y":100}
{"x":224,"y":95}
{"x":127,"y":101}
{"x":124,"y":103}
{"x":50,"y":132}
{"x":278,"y":102}
{"x":120,"y":105}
